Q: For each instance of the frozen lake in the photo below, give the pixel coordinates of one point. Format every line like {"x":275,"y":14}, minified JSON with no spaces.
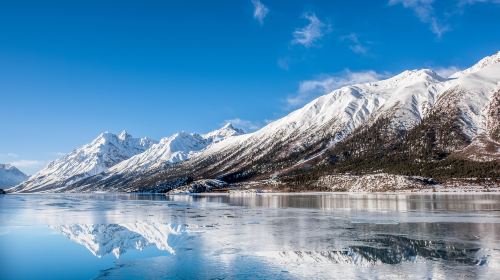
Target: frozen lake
{"x":250,"y":236}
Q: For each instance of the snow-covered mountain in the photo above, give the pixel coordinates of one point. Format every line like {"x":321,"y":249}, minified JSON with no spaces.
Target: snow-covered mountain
{"x":405,"y":100}
{"x":102,"y":153}
{"x":178,"y":147}
{"x":222,"y":133}
{"x":10,"y":176}
{"x":415,"y":116}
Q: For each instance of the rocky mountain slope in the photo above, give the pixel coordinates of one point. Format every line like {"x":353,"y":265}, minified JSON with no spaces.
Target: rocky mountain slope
{"x":10,"y":176}
{"x":413,"y":124}
{"x":102,"y":153}
{"x":121,"y":154}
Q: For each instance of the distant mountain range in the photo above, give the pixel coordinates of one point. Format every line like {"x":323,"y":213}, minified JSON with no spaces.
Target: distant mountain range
{"x":121,"y":154}
{"x":10,"y":176}
{"x":414,"y":130}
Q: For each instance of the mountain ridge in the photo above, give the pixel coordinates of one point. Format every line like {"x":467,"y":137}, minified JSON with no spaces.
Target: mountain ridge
{"x":121,"y":153}
{"x":413,"y":119}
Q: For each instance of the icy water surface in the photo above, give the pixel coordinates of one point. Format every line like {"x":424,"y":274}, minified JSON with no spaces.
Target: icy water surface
{"x":255,"y":236}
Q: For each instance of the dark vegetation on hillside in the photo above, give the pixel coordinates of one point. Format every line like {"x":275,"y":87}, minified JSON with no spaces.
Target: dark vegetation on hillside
{"x":423,"y":151}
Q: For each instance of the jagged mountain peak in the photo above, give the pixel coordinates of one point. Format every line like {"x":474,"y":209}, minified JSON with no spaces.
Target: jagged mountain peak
{"x":105,"y":139}
{"x":105,"y":151}
{"x":183,"y":141}
{"x":124,"y":135}
{"x":179,"y":137}
{"x":176,"y":148}
{"x":224,"y":132}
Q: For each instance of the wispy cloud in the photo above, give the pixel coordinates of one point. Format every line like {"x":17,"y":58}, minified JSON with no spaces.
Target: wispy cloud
{"x":244,"y":124}
{"x":355,"y":44}
{"x":438,"y":21}
{"x":28,"y":166}
{"x":284,"y":63}
{"x":9,"y":155}
{"x":446,"y":71}
{"x":312,"y":32}
{"x":260,"y":11}
{"x":424,"y":10}
{"x":27,"y":163}
{"x":473,"y":2}
{"x":310,"y":89}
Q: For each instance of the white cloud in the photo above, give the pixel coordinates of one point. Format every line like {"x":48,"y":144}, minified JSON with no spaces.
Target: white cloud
{"x":326,"y":83}
{"x":27,"y":163}
{"x":310,"y":33}
{"x":355,"y":44}
{"x":244,"y":124}
{"x":260,"y":11}
{"x":473,"y":2}
{"x":9,"y":155}
{"x":446,"y":71}
{"x":425,"y":12}
{"x":28,"y":166}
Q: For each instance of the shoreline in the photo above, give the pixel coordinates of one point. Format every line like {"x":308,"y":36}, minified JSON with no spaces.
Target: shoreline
{"x":495,"y":192}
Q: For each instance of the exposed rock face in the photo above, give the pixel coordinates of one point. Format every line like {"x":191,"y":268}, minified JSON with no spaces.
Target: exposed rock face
{"x":374,"y":182}
{"x":201,"y":186}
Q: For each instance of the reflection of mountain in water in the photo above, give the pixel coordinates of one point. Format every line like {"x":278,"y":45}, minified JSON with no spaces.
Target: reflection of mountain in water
{"x":390,"y":249}
{"x":103,"y":239}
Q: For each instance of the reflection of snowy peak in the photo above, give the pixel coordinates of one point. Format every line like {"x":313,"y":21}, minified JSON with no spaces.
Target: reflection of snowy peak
{"x":382,"y":249}
{"x":102,"y":153}
{"x":102,"y":239}
{"x":10,"y":175}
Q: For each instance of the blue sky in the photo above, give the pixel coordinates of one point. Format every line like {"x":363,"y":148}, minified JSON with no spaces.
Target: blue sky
{"x":72,"y":69}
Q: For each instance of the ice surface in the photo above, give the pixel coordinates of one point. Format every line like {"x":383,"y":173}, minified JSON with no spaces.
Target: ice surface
{"x":321,"y":236}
